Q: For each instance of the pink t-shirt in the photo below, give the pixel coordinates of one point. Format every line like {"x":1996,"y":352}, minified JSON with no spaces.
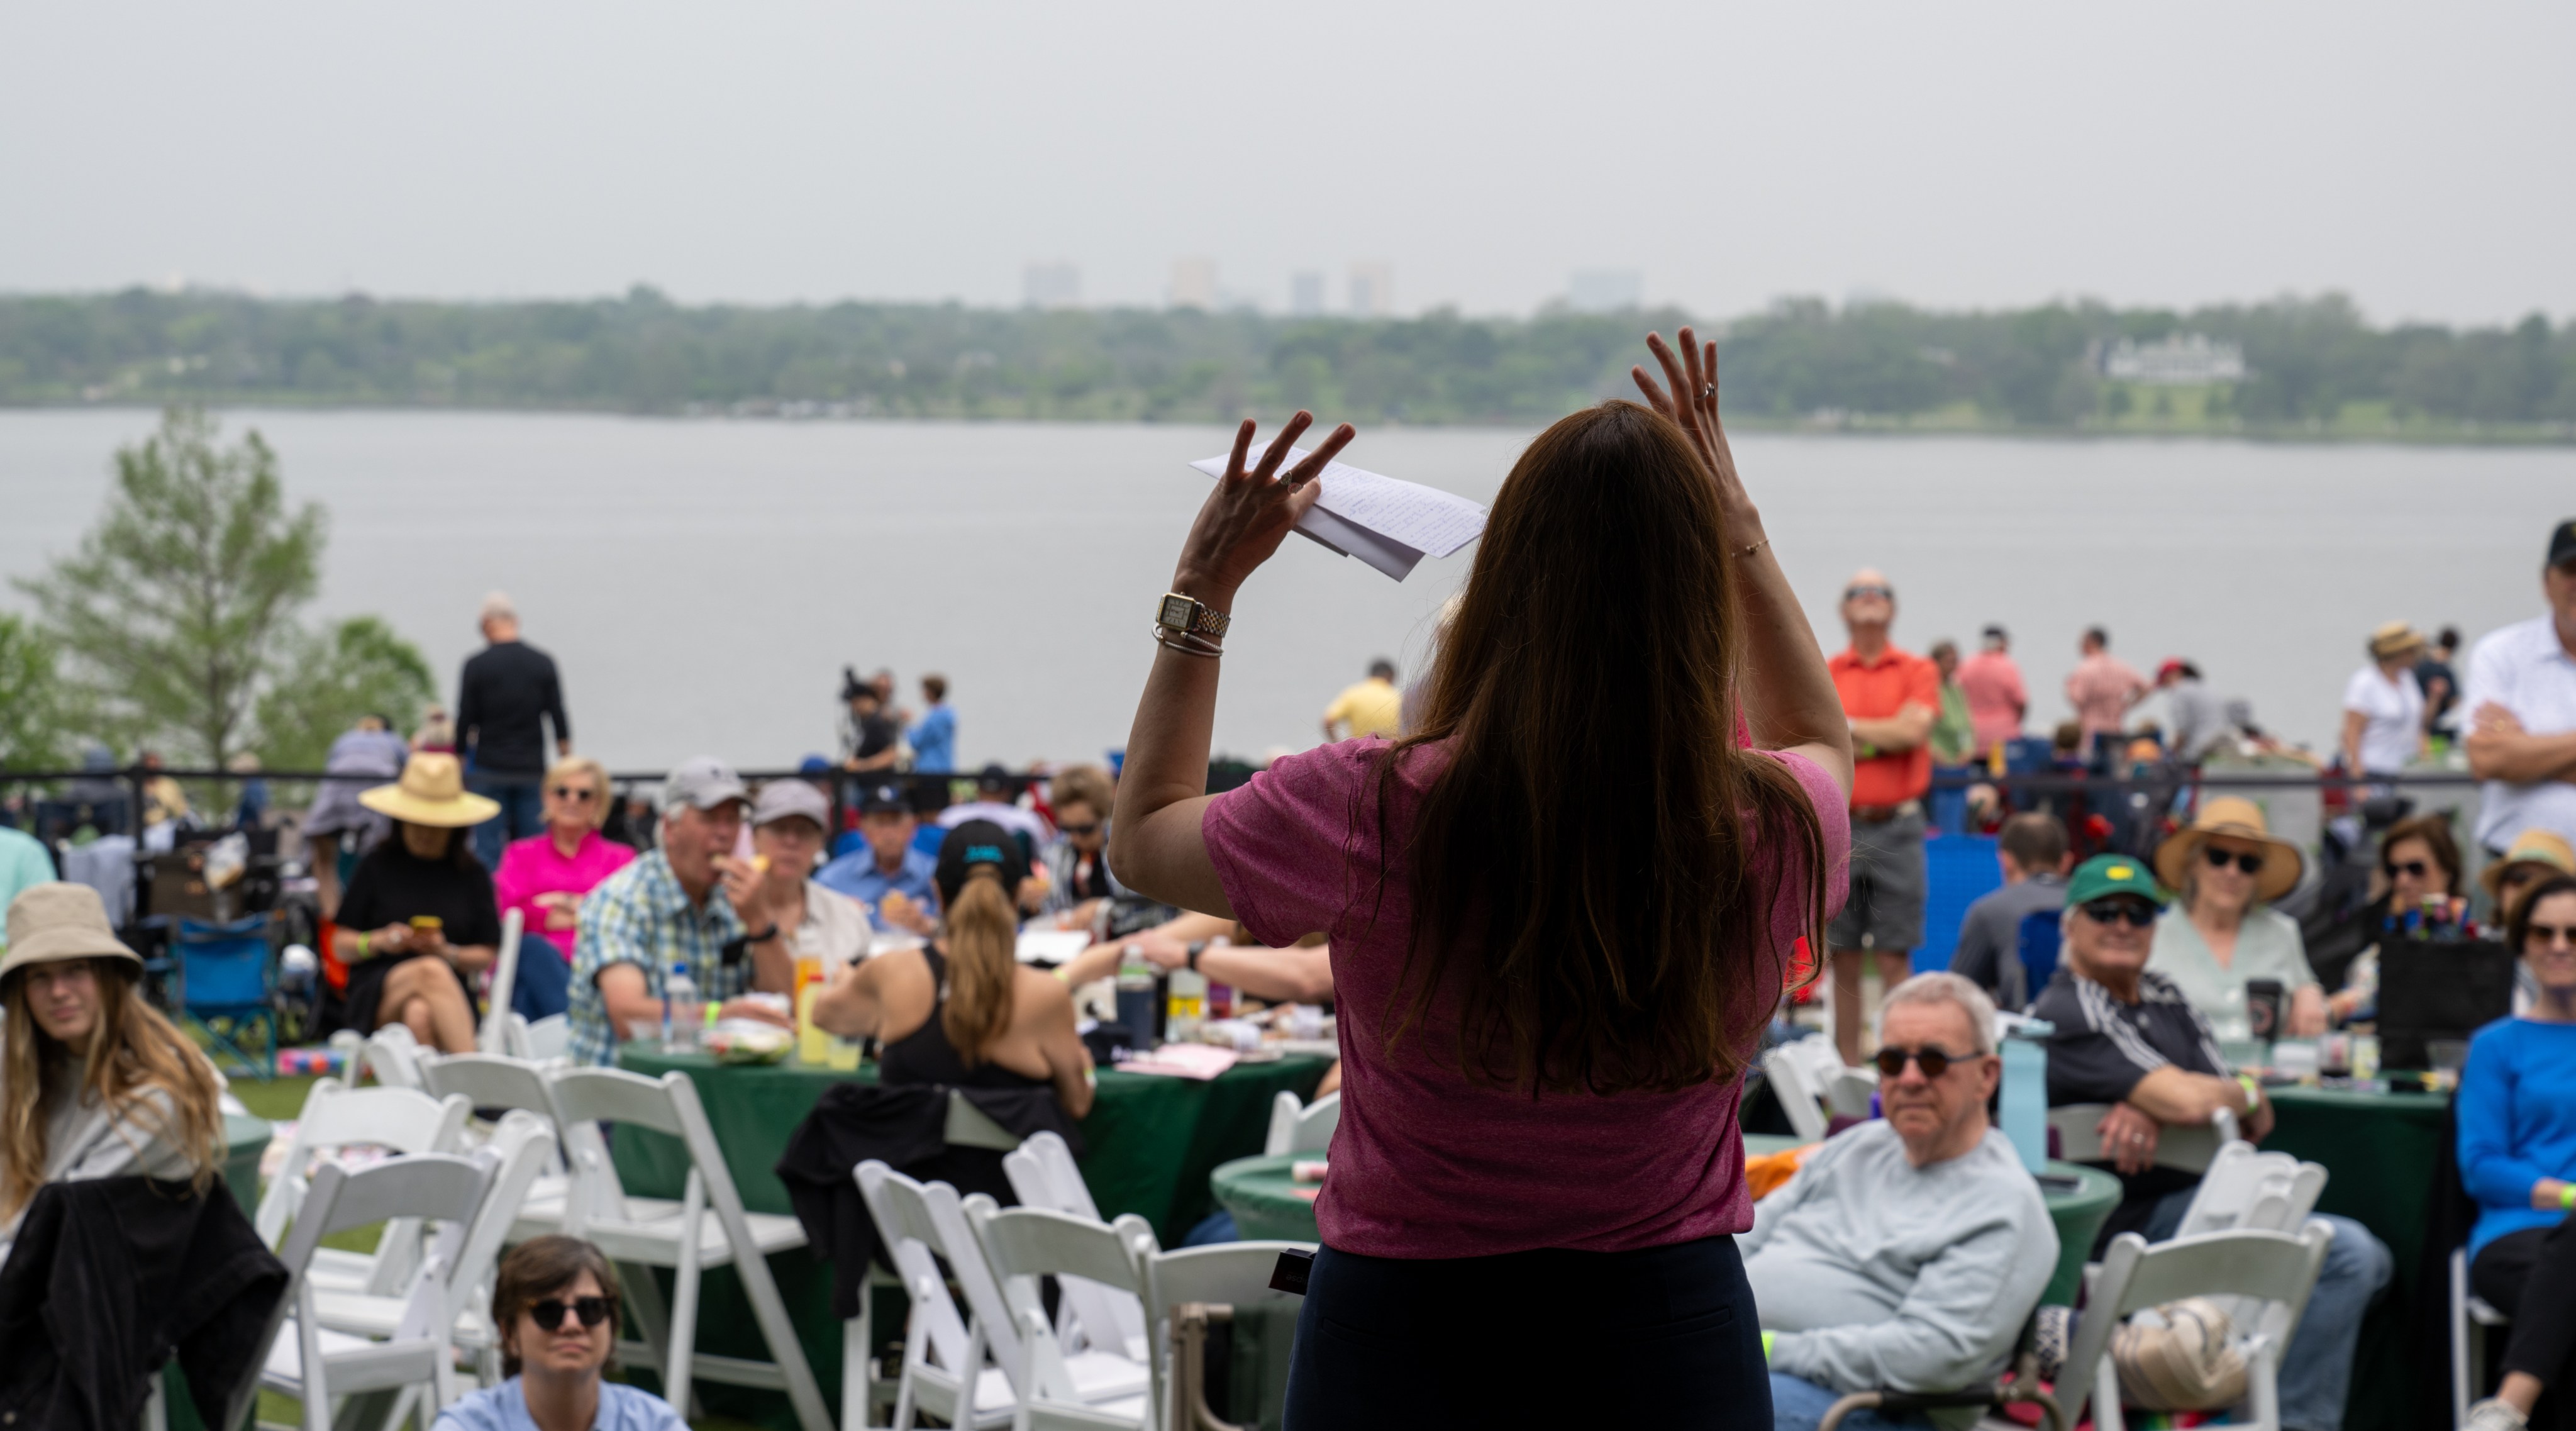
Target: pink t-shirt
{"x":1996,"y":698}
{"x":533,"y":866}
{"x":1424,"y":1163}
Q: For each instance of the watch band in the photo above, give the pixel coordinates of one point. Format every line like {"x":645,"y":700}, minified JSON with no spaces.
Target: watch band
{"x":1197,"y":948}
{"x":1182,"y":613}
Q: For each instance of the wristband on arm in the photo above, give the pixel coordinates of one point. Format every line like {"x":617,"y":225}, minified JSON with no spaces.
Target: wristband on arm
{"x":2567,"y":1197}
{"x":2253,"y":1091}
{"x":1767,"y":1338}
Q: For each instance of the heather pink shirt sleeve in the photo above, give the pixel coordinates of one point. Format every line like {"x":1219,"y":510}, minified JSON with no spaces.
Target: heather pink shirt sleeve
{"x":1285,"y":845}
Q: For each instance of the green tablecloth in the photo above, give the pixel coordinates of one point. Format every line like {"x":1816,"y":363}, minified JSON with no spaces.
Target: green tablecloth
{"x":1268,"y":1203}
{"x":1150,"y":1143}
{"x":2380,"y":1151}
{"x":245,"y":1140}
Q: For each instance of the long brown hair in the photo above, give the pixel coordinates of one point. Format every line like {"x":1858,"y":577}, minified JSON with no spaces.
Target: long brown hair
{"x":1584,"y":871}
{"x":133,"y":1052}
{"x":982,"y":938}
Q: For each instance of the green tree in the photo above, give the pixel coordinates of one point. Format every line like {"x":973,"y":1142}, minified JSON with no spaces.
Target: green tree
{"x":180,"y":602}
{"x":359,"y":667}
{"x":39,"y":714}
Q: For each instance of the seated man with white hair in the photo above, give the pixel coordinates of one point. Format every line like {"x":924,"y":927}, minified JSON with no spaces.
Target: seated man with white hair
{"x":1907,"y":1253}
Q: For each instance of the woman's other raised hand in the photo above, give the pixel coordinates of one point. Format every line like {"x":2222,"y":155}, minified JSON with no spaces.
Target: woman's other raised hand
{"x":1693,"y":404}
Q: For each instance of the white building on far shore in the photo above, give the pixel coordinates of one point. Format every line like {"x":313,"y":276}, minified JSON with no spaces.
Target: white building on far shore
{"x":2176,"y":360}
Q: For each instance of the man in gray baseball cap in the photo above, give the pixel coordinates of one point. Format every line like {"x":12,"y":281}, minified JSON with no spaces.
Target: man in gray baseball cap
{"x":790,"y":824}
{"x":687,"y":906}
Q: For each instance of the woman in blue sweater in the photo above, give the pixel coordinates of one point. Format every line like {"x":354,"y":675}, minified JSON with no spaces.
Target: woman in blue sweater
{"x":2517,"y":1113}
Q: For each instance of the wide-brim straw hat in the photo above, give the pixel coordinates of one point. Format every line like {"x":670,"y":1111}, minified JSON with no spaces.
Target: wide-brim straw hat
{"x":2235,"y":816}
{"x":2531,"y":847}
{"x":431,"y":792}
{"x":2394,"y":638}
{"x":53,"y":922}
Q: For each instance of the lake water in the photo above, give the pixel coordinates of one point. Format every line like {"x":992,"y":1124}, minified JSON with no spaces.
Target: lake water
{"x":701,"y":583}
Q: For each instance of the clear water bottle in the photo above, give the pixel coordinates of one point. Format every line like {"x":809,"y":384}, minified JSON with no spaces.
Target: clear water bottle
{"x":680,"y":1017}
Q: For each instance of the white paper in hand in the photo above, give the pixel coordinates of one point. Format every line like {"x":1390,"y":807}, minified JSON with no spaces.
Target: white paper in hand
{"x":1385,"y":521}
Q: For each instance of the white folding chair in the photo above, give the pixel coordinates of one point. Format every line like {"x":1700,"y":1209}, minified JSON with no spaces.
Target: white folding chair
{"x":1235,"y":1274}
{"x":2273,"y":1266}
{"x":1301,"y":1127}
{"x":393,"y":1056}
{"x":1094,"y":1388}
{"x":493,"y":1036}
{"x":1812,"y":1083}
{"x":943,"y":1355}
{"x":520,"y":1148}
{"x":2268,"y":1192}
{"x":2189,"y":1148}
{"x":548,"y":1038}
{"x":2471,"y":1317}
{"x":494,"y":1081}
{"x":1043,"y":1173}
{"x":317,"y":1365}
{"x":706,"y":1228}
{"x":337,"y":1118}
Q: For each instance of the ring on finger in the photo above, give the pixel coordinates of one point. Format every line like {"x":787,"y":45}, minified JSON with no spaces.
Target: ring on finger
{"x":1708,"y":390}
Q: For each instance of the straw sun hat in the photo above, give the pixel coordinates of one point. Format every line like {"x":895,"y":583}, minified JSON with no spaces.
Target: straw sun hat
{"x":2394,"y":638}
{"x":53,"y":922}
{"x":2240,"y":818}
{"x":2531,"y":847}
{"x":431,"y":792}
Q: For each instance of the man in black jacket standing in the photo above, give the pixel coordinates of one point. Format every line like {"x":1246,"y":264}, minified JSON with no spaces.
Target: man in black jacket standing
{"x":508,"y":687}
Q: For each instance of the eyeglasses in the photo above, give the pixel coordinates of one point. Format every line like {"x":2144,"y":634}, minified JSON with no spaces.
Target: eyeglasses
{"x":2412,"y":869}
{"x":2545,"y":935}
{"x":2134,"y":913}
{"x":1933,"y":1061}
{"x":578,"y":794}
{"x":1855,"y":593}
{"x":2245,"y":860}
{"x":1082,"y":831}
{"x":549,"y":1313}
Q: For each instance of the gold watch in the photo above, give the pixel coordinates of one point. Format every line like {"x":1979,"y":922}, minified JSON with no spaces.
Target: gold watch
{"x":1187,"y":615}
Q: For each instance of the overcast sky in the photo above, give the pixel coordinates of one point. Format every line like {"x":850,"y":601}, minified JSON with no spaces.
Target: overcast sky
{"x":1951,"y":155}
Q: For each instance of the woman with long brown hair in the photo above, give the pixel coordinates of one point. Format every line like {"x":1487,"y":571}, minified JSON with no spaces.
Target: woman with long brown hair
{"x":94,"y":1082}
{"x":1561,"y":910}
{"x":964,"y":1012}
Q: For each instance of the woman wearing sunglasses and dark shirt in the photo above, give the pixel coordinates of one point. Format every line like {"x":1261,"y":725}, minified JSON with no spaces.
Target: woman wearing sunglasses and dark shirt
{"x":555,"y":1301}
{"x":2226,"y":867}
{"x":2420,"y":893}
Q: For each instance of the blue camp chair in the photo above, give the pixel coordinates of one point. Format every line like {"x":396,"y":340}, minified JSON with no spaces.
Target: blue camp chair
{"x":1959,"y":869}
{"x":227,"y":985}
{"x":2039,"y":938}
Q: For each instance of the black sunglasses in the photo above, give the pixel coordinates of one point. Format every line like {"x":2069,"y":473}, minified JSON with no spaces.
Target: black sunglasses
{"x":2245,"y":860}
{"x":2135,"y":913}
{"x":2542,"y":936}
{"x":1934,"y":1061}
{"x":1084,"y":830}
{"x":581,"y":794}
{"x":1855,"y":593}
{"x":549,"y":1313}
{"x":2412,"y":869}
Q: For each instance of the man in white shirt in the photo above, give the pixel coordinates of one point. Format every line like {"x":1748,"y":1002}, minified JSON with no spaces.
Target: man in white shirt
{"x":2521,"y":698}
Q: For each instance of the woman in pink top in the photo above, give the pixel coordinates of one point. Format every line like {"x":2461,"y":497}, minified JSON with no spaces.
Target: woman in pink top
{"x":544,"y":877}
{"x":1560,"y":911}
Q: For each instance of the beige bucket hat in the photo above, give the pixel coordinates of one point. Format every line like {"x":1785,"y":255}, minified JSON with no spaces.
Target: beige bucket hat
{"x":2531,"y":847}
{"x":431,"y":792}
{"x":2236,"y":816}
{"x":53,"y":922}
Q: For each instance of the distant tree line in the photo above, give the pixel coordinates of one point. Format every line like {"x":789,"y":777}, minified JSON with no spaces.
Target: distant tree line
{"x":2314,"y":363}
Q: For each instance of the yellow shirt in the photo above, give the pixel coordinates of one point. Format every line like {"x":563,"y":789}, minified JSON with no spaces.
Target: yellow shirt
{"x":1373,"y":707}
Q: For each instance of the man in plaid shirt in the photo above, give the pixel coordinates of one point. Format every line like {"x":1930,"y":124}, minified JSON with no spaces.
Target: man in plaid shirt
{"x":682,"y":904}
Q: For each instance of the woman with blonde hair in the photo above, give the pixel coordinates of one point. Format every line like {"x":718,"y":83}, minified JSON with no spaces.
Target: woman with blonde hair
{"x":2221,"y":931}
{"x":546,"y":876}
{"x":963,"y":1011}
{"x":94,"y":1082}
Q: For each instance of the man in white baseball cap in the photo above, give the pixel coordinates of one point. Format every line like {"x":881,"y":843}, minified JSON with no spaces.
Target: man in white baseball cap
{"x":688,"y":906}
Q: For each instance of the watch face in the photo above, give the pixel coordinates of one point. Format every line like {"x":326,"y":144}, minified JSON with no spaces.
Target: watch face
{"x":1176,"y":612}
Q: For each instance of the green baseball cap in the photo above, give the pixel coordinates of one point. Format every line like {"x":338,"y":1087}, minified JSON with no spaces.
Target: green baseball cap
{"x":2105,"y":875}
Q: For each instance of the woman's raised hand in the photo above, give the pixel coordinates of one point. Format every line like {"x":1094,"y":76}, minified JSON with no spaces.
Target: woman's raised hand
{"x":1693,"y":404}
{"x":1249,"y":514}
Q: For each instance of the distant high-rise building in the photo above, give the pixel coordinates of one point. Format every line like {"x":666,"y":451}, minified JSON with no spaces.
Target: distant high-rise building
{"x":1372,"y":290}
{"x":1051,"y":285}
{"x":1306,"y":293}
{"x":1604,"y":290}
{"x":1194,"y":283}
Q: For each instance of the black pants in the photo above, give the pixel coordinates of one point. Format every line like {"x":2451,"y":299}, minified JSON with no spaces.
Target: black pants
{"x":1663,"y":1337}
{"x":2530,"y":1276}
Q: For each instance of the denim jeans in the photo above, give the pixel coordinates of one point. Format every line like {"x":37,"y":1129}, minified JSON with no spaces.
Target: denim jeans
{"x":522,"y":800}
{"x":1797,"y":1405}
{"x":2316,"y":1370}
{"x":544,"y":984}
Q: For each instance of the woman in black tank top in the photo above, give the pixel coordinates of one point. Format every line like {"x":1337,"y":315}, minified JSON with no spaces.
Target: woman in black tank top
{"x":983,"y":1007}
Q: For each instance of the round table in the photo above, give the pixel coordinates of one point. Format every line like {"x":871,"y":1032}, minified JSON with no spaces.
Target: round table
{"x":1267,"y":1203}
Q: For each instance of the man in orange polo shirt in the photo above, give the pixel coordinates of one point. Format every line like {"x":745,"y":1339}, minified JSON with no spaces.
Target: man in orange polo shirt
{"x":1890,"y":697}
